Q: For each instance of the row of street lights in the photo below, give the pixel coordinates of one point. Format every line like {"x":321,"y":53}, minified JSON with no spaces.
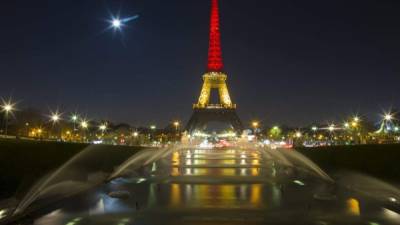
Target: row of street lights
{"x":354,"y":123}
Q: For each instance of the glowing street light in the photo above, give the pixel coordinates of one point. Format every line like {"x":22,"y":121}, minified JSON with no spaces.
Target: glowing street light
{"x":153,"y":127}
{"x":388,"y":117}
{"x":255,"y":124}
{"x":314,"y":128}
{"x":84,"y":124}
{"x":135,"y":134}
{"x":346,"y":125}
{"x":298,"y":134}
{"x":55,"y":117}
{"x":74,"y":118}
{"x":7,"y":108}
{"x":331,"y":127}
{"x":176,"y":125}
{"x":103,"y":128}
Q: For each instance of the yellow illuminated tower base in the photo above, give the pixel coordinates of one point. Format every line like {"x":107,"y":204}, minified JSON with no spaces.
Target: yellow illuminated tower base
{"x":214,"y":80}
{"x":205,"y":112}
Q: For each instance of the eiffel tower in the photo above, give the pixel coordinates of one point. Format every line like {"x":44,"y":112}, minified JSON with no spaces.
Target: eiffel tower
{"x":214,"y":79}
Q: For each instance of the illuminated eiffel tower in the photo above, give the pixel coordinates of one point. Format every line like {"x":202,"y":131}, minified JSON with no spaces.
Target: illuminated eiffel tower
{"x":215,"y":79}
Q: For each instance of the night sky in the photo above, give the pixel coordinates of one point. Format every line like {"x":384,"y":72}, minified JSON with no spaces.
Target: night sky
{"x":288,"y":62}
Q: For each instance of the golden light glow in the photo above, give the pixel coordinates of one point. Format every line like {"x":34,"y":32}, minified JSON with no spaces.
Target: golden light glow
{"x":175,"y":195}
{"x":353,"y":207}
{"x":103,"y":127}
{"x":8,"y":108}
{"x":255,"y":124}
{"x":214,"y":80}
{"x":84,"y":124}
{"x":256,"y":197}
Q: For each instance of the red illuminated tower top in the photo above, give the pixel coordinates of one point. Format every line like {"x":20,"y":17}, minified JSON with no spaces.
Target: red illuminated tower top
{"x":215,"y":63}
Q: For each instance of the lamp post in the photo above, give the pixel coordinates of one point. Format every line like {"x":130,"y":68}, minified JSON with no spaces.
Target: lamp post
{"x":55,"y":118}
{"x":255,"y":125}
{"x":103,"y":128}
{"x":84,"y":125}
{"x":152,"y":135}
{"x":176,"y":125}
{"x":7,"y":108}
{"x":135,"y":135}
{"x":74,"y":119}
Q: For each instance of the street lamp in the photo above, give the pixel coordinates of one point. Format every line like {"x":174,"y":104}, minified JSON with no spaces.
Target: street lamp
{"x":84,"y":125}
{"x":103,"y":128}
{"x":74,"y":119}
{"x":255,"y":124}
{"x":7,"y":108}
{"x":55,"y":117}
{"x":176,"y":124}
{"x":388,"y":117}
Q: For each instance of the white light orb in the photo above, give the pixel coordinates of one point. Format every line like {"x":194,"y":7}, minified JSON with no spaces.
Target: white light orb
{"x":116,"y":23}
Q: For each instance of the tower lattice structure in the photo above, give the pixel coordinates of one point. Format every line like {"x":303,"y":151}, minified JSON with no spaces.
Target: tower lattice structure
{"x":214,"y":79}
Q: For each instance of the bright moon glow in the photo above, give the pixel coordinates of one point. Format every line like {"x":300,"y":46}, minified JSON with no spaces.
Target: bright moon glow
{"x":116,"y":23}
